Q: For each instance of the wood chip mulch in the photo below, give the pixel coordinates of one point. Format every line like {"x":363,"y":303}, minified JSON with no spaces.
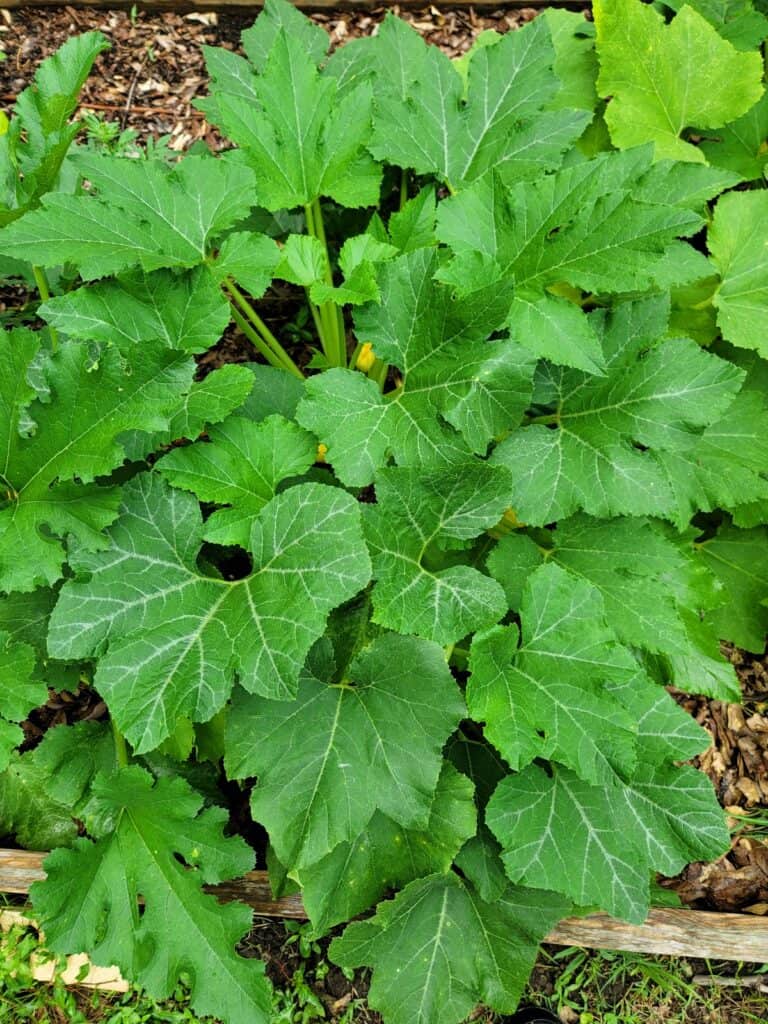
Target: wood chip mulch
{"x":737,"y":764}
{"x":155,"y":69}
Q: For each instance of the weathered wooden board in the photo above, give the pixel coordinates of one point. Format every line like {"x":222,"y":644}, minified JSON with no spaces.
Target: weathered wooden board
{"x":694,"y":933}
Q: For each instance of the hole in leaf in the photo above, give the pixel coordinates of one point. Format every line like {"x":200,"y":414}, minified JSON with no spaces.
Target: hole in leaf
{"x":227,"y":563}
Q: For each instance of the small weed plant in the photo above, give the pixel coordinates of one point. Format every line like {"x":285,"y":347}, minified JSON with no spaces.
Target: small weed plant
{"x":416,"y":578}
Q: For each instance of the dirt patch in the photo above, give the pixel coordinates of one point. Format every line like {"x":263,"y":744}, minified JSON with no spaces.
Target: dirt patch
{"x":155,"y":69}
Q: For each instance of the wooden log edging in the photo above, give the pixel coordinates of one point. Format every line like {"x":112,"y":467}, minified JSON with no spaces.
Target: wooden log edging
{"x":695,"y":933}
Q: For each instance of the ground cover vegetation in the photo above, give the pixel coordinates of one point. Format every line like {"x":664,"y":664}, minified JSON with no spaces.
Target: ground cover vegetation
{"x":414,"y":595}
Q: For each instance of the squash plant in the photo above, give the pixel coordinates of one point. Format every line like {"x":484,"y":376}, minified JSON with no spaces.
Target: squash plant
{"x":419,"y":598}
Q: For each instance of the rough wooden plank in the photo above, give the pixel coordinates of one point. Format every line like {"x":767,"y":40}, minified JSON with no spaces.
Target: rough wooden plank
{"x":256,"y":891}
{"x":696,"y":933}
{"x":19,"y":869}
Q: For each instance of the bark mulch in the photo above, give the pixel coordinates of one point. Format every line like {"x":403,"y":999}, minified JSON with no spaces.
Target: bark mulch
{"x":155,"y":69}
{"x":737,"y":764}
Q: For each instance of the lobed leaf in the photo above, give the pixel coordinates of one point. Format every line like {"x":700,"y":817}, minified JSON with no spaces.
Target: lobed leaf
{"x":458,"y":388}
{"x":20,"y":692}
{"x":186,"y":312}
{"x":302,"y":134}
{"x":334,"y":756}
{"x":417,"y":945}
{"x":417,"y":518}
{"x":385,"y":856}
{"x":598,"y":844}
{"x":160,"y":848}
{"x":607,"y":226}
{"x":175,"y":638}
{"x":141,"y":215}
{"x":737,"y":242}
{"x":240,"y":465}
{"x":660,"y":77}
{"x":599,"y":450}
{"x":56,"y":444}
{"x":424,"y":120}
{"x":651,"y":587}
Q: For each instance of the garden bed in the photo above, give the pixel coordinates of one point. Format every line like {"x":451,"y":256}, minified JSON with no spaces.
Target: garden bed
{"x":146,"y":83}
{"x":153,"y":73}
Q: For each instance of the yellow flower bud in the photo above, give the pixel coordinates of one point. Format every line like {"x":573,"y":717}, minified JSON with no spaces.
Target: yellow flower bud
{"x":365,"y":357}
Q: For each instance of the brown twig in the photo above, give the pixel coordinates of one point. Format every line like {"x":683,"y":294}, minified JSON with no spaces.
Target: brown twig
{"x":9,"y":97}
{"x":132,"y":88}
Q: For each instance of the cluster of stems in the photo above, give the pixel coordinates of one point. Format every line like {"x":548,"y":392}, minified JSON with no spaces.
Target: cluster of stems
{"x":257,"y":332}
{"x":327,"y":318}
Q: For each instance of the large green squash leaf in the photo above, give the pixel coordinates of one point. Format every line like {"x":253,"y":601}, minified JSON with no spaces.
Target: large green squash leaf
{"x":738,"y":241}
{"x":329,"y":760}
{"x":663,"y":78}
{"x":386,"y":855}
{"x":599,"y":844}
{"x":423,"y":120}
{"x":418,"y":518}
{"x":600,"y":449}
{"x":176,"y":637}
{"x":20,"y":692}
{"x":156,"y":846}
{"x":457,"y":391}
{"x":437,"y":949}
{"x":605,"y":226}
{"x":40,"y":134}
{"x":652,"y":588}
{"x":301,"y":130}
{"x":142,"y":214}
{"x":57,"y":442}
{"x":556,"y":692}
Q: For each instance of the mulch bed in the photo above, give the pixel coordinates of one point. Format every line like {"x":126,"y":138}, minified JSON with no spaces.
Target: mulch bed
{"x":147,"y":82}
{"x":155,"y":69}
{"x":737,"y":764}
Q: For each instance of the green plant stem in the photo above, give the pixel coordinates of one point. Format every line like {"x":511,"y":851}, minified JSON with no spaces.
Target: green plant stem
{"x":403,"y":187}
{"x":121,"y":748}
{"x":329,"y":319}
{"x":259,"y":344}
{"x":318,"y":313}
{"x":315,"y":315}
{"x":257,"y":332}
{"x":251,"y":314}
{"x":378,"y":372}
{"x":45,"y":293}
